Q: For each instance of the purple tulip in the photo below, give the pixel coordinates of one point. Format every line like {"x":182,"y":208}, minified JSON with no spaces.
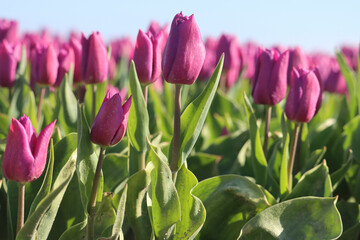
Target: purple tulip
{"x":25,"y":154}
{"x":44,"y":65}
{"x":76,"y":46}
{"x":335,"y":83}
{"x":8,"y":62}
{"x":297,"y":58}
{"x":110,"y":124}
{"x":122,"y":48}
{"x":184,"y":53}
{"x":210,"y":58}
{"x":156,"y":29}
{"x":66,"y":58}
{"x":94,"y":60}
{"x":303,"y":96}
{"x":8,"y":30}
{"x":249,"y":53}
{"x":147,"y":56}
{"x":270,"y":82}
{"x":351,"y":56}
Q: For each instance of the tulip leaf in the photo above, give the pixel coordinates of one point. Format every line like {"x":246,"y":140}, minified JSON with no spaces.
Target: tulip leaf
{"x":193,"y":212}
{"x":136,"y":209}
{"x":138,"y":125}
{"x":315,"y":182}
{"x":68,"y":113}
{"x":87,"y":159}
{"x":230,"y":201}
{"x":113,"y":178}
{"x":100,"y":92}
{"x":284,"y":184}
{"x":163,"y":200}
{"x":301,"y":218}
{"x":77,"y":231}
{"x":105,"y":216}
{"x":23,"y":62}
{"x":350,"y":215}
{"x":203,"y":165}
{"x":340,"y":173}
{"x":40,"y":221}
{"x":194,"y":116}
{"x":258,"y":158}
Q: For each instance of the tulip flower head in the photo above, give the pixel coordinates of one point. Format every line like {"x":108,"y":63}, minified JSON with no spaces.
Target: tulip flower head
{"x":270,"y":80}
{"x":303,"y":96}
{"x":297,"y":58}
{"x":8,"y":62}
{"x":94,"y":59}
{"x":184,"y":53}
{"x":77,"y":48}
{"x":66,"y":58}
{"x":25,"y":154}
{"x":335,"y":83}
{"x":110,"y":123}
{"x":8,"y":30}
{"x":147,"y":56}
{"x":210,"y":58}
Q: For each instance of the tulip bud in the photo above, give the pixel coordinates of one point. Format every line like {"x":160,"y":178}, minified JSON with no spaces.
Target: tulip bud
{"x":147,"y":56}
{"x":155,"y":29}
{"x":351,"y":56}
{"x":122,"y":48}
{"x":184,"y":53}
{"x":8,"y":62}
{"x":8,"y":30}
{"x":297,"y":58}
{"x":303,"y":95}
{"x":76,"y":46}
{"x":25,"y":154}
{"x":44,"y":65}
{"x":335,"y":83}
{"x":270,"y":83}
{"x":210,"y":58}
{"x":111,"y":121}
{"x":66,"y":58}
{"x":94,"y":60}
{"x":249,"y":53}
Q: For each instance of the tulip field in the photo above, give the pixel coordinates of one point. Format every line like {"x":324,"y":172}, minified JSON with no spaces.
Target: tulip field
{"x":176,"y":136}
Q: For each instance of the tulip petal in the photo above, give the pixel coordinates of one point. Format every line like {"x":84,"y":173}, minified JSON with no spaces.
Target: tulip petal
{"x":277,"y":86}
{"x":143,"y":57}
{"x":30,"y":131}
{"x":18,"y":159}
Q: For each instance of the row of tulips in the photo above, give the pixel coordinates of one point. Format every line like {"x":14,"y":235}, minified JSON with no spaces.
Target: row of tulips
{"x":155,"y":206}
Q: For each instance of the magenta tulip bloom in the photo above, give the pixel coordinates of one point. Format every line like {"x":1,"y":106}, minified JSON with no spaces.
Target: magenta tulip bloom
{"x":8,"y":62}
{"x":184,"y":53}
{"x":351,"y":56}
{"x":210,"y":58}
{"x":44,"y":65}
{"x":147,"y":56}
{"x":122,"y":48}
{"x":76,"y":46}
{"x":8,"y":30}
{"x":156,"y":29}
{"x":335,"y":83}
{"x":270,"y":82}
{"x":66,"y":58}
{"x":25,"y":154}
{"x":249,"y":54}
{"x":94,"y":60}
{"x":303,"y":96}
{"x":111,"y":121}
{"x":297,"y":58}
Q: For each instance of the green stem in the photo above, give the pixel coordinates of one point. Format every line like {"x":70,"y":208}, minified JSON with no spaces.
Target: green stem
{"x":42,"y":94}
{"x":93,"y":112}
{"x":21,"y":206}
{"x":10,"y":94}
{"x":292,"y":154}
{"x":267,"y":125}
{"x":176,"y":137}
{"x":92,"y":202}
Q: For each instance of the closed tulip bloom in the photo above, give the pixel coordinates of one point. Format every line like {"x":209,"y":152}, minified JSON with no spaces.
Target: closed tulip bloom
{"x":8,"y":62}
{"x":303,"y":96}
{"x":335,"y":83}
{"x":8,"y":30}
{"x":94,"y":60}
{"x":77,"y":48}
{"x":44,"y":65}
{"x":184,"y":53}
{"x":110,"y":124}
{"x":270,"y":79}
{"x":122,"y":48}
{"x":66,"y":58}
{"x":147,"y":56}
{"x":249,"y":53}
{"x":210,"y":58}
{"x":156,"y":29}
{"x":25,"y":154}
{"x":351,"y":56}
{"x":297,"y":58}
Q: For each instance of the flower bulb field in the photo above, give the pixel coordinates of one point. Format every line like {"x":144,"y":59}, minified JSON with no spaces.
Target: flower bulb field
{"x":174,"y":135}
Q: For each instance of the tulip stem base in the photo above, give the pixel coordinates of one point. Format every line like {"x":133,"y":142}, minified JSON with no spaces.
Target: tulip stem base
{"x":42,"y":95}
{"x":176,"y":136}
{"x":93,"y":112}
{"x":292,"y":154}
{"x":21,"y":206}
{"x":94,"y":190}
{"x":267,"y":125}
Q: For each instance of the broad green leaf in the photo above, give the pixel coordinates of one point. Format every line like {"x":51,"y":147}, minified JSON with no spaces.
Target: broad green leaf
{"x":193,"y":117}
{"x":339,"y":174}
{"x":138,"y":125}
{"x":136,"y":210}
{"x":86,"y":158}
{"x":230,"y":201}
{"x":258,"y":158}
{"x":352,"y":132}
{"x":322,"y":134}
{"x":47,"y":182}
{"x":314,"y":159}
{"x":315,"y":182}
{"x":204,"y":165}
{"x":284,"y":184}
{"x":115,"y":169}
{"x":69,"y":106}
{"x":23,"y":62}
{"x":301,"y":218}
{"x":105,"y":215}
{"x":350,"y":79}
{"x":163,"y":197}
{"x":350,"y":216}
{"x":77,"y":231}
{"x":193,"y":212}
{"x":40,"y":221}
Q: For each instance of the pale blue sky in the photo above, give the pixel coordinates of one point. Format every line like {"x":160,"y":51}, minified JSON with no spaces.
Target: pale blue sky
{"x":315,"y":24}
